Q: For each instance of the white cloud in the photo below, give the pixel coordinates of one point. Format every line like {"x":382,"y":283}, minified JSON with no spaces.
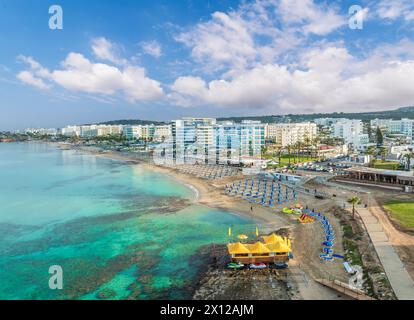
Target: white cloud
{"x":395,"y":9}
{"x":257,"y":32}
{"x":79,"y":74}
{"x":318,"y":19}
{"x":152,"y":48}
{"x":223,"y":39}
{"x":27,"y":77}
{"x":106,"y":50}
{"x":327,"y":80}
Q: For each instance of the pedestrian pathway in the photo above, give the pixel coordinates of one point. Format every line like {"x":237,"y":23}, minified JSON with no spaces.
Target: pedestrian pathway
{"x":400,"y":280}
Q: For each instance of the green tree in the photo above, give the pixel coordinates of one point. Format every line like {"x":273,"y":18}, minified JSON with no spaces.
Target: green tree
{"x":407,"y":158}
{"x":369,"y":131}
{"x":380,"y":137}
{"x":384,"y":154}
{"x":354,"y":201}
{"x":371,"y":151}
{"x":289,"y":149}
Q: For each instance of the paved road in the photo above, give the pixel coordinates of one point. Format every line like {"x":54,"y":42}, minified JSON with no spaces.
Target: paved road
{"x":400,"y":280}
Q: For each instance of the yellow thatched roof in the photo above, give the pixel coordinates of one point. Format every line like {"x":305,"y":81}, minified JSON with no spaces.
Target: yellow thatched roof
{"x":237,"y":248}
{"x":273,"y":238}
{"x":258,"y":247}
{"x":279,"y":247}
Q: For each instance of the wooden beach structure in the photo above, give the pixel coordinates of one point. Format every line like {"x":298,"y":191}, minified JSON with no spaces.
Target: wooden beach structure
{"x":274,"y":249}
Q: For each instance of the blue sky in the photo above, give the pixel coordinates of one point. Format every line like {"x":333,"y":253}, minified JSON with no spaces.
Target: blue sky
{"x":165,"y":59}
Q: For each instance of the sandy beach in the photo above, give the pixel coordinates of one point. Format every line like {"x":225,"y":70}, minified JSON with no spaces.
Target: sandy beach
{"x":306,"y":240}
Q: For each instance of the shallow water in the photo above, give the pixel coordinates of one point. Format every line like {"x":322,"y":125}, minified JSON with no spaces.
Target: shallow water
{"x":118,"y":230}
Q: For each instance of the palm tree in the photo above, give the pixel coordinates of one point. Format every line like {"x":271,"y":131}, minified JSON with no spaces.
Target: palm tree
{"x":296,"y":148}
{"x":384,"y":153}
{"x":289,"y":148}
{"x":408,"y":161}
{"x":314,"y":143}
{"x":371,"y":151}
{"x":307,"y":143}
{"x":354,"y":201}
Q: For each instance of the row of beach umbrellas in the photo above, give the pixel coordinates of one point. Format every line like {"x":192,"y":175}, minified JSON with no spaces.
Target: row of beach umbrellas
{"x":208,"y":171}
{"x":263,"y":191}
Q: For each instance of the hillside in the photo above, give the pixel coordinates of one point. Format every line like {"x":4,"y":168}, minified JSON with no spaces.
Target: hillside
{"x":132,"y":122}
{"x":404,"y":112}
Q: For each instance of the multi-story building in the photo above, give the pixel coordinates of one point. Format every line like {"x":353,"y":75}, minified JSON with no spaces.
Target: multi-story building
{"x":132,"y":132}
{"x":93,"y":130}
{"x":71,"y":131}
{"x":184,"y":137}
{"x":42,"y":131}
{"x":352,"y":131}
{"x":403,"y":126}
{"x":238,"y":142}
{"x":162,"y":132}
{"x":380,"y":123}
{"x":205,"y":141}
{"x":284,"y":134}
{"x":149,"y":132}
{"x":327,"y":121}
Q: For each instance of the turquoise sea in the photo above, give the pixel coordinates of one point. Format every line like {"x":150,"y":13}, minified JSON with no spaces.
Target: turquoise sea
{"x":117,"y":230}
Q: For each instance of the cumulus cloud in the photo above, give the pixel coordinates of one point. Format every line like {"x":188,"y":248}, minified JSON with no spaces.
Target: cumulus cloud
{"x":29,"y":78}
{"x":106,"y":50}
{"x":257,"y":31}
{"x":152,"y":48}
{"x":311,"y":18}
{"x":327,"y":80}
{"x":79,"y":74}
{"x":394,"y":9}
{"x":272,"y":55}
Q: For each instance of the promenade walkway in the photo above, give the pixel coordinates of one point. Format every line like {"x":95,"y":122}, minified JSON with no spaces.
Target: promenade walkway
{"x":400,"y":280}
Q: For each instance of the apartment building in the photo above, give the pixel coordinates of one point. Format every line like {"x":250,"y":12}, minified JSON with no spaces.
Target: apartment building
{"x":203,"y":140}
{"x":403,"y":126}
{"x":284,"y":134}
{"x":352,"y":131}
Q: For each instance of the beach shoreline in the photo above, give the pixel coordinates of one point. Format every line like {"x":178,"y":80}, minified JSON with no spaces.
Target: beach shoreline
{"x":206,"y":192}
{"x":305,"y":238}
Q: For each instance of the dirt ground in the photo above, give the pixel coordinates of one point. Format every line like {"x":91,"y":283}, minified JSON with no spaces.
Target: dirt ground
{"x":401,"y":238}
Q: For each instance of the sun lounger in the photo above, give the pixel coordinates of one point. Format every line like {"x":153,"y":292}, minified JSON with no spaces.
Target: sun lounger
{"x":348,"y":267}
{"x":328,"y":259}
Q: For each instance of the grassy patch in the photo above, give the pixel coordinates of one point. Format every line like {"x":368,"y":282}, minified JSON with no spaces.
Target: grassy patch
{"x":387,"y":165}
{"x":403,"y":212}
{"x":352,"y":253}
{"x":286,"y":159}
{"x":348,"y":232}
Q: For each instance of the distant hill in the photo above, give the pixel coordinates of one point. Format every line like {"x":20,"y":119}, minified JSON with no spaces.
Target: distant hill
{"x":132,"y":122}
{"x":404,"y":112}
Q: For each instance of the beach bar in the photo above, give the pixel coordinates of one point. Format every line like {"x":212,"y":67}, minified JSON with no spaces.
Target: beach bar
{"x":274,"y":249}
{"x":379,"y":177}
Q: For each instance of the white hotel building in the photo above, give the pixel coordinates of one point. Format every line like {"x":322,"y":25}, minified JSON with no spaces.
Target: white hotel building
{"x":147,"y":132}
{"x":403,"y":126}
{"x":203,"y":140}
{"x":285,"y":134}
{"x":352,"y":131}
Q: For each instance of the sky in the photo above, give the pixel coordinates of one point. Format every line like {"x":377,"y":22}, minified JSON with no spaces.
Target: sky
{"x":164,"y":59}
